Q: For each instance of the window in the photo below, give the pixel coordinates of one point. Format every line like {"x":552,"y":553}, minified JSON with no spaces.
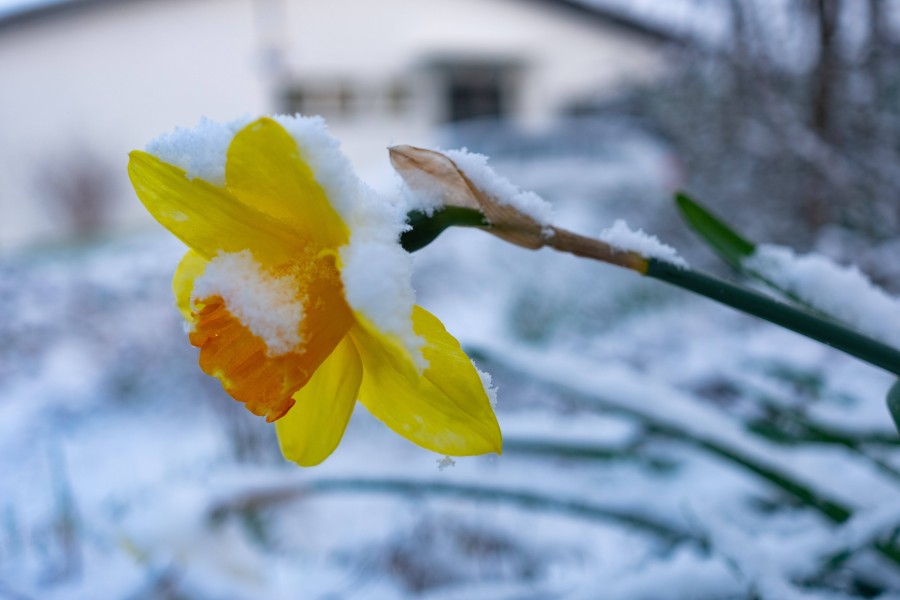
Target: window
{"x":477,"y":89}
{"x":475,"y":93}
{"x":331,"y":99}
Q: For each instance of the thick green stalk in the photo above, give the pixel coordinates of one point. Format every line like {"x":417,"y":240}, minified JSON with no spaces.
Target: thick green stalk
{"x":826,"y":331}
{"x":425,"y":228}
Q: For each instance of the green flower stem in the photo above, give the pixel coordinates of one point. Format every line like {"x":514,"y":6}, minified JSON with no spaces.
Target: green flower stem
{"x":823,"y":330}
{"x":425,"y":228}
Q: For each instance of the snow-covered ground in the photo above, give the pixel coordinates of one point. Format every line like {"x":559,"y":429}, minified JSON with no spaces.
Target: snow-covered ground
{"x":656,"y":445}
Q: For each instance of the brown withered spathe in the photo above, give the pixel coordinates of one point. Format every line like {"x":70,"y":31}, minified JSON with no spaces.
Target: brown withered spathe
{"x":424,"y":169}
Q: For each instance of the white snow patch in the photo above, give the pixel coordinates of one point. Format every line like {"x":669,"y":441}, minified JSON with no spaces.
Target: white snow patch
{"x":488,"y":384}
{"x":420,"y":192}
{"x":504,"y":191}
{"x":624,"y":388}
{"x":367,"y":213}
{"x":841,"y":292}
{"x":621,"y":237}
{"x":266,"y":304}
{"x":687,"y":571}
{"x":201,"y":151}
{"x":763,"y":562}
{"x":873,"y":524}
{"x":376,"y":278}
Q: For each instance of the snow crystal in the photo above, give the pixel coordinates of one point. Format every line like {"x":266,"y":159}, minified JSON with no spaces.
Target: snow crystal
{"x":488,"y":384}
{"x":841,"y":292}
{"x":621,"y":237}
{"x":199,"y":150}
{"x":479,"y":173}
{"x":264,"y":303}
{"x":445,"y":463}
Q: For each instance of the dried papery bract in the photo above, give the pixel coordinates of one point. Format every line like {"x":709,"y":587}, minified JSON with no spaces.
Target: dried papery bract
{"x":437,"y":176}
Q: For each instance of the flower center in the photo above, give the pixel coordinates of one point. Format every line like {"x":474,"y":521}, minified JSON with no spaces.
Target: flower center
{"x":263,"y":331}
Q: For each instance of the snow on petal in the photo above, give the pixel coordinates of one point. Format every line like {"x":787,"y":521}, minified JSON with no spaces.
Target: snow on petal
{"x":266,"y":304}
{"x":376,"y":280}
{"x":488,"y":383}
{"x":199,"y":150}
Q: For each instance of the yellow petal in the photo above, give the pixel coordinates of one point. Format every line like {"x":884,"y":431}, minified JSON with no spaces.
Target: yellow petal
{"x":231,"y":352}
{"x":444,"y":409}
{"x":191,"y":267}
{"x":265,"y":170}
{"x":207,"y":218}
{"x":312,"y":429}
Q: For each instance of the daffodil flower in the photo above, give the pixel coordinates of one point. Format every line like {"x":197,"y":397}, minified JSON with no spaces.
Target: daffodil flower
{"x":296,"y":291}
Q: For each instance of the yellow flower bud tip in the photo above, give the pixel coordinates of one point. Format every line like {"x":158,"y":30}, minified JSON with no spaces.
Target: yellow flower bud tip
{"x":296,"y":314}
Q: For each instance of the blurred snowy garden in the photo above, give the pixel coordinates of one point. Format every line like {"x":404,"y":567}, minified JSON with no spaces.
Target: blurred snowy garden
{"x":656,"y":444}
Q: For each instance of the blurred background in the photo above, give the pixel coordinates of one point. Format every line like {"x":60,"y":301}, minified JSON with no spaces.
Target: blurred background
{"x":656,"y":445}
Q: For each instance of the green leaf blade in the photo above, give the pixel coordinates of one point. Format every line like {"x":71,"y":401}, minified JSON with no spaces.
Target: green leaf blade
{"x":725,"y":241}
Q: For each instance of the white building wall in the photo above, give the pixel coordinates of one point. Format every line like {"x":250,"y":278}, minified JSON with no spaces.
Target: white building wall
{"x":564,"y":56}
{"x":103,"y":80}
